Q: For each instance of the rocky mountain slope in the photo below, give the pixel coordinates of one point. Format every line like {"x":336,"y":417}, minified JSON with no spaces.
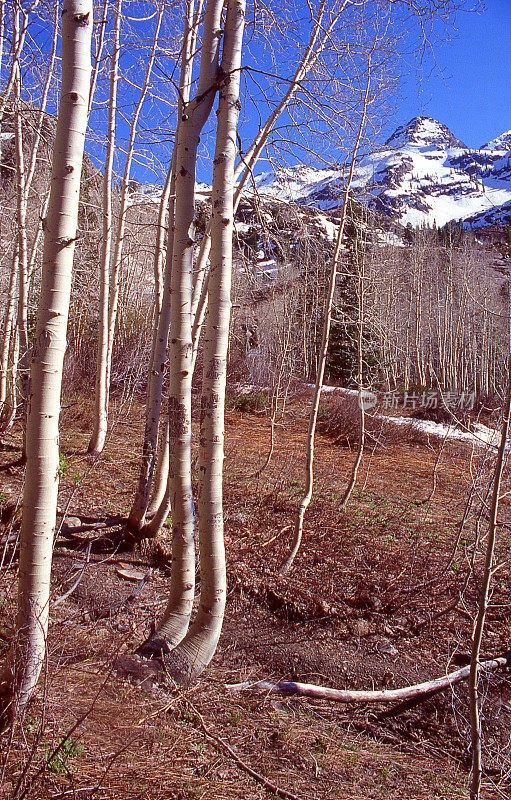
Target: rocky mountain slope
{"x":421,"y":175}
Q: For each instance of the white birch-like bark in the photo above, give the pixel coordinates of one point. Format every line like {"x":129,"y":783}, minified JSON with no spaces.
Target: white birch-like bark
{"x":25,"y":172}
{"x":2,"y":31}
{"x":100,"y":424}
{"x":41,"y":480}
{"x":325,"y":341}
{"x":319,"y":39}
{"x":161,"y":474}
{"x":176,"y":618}
{"x":21,"y":222}
{"x":120,"y":233}
{"x":198,"y":647}
{"x":484,"y":599}
{"x":244,"y":171}
{"x":361,"y":278}
{"x":401,"y":695}
{"x":98,"y":54}
{"x":137,"y":519}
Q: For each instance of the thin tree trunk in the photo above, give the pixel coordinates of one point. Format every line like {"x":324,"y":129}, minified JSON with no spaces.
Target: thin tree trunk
{"x":137,"y":523}
{"x":245,"y":170}
{"x":176,"y":618}
{"x":98,"y":54}
{"x":360,"y":261}
{"x":404,"y":694}
{"x":24,"y":177}
{"x":113,"y":298}
{"x":21,"y":223}
{"x":477,"y":637}
{"x":41,"y":480}
{"x":100,"y":424}
{"x":198,"y":647}
{"x":325,"y":340}
{"x":161,"y":475}
{"x":2,"y":31}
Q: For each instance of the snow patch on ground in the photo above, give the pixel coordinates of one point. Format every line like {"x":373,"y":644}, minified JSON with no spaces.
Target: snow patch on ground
{"x":481,"y":435}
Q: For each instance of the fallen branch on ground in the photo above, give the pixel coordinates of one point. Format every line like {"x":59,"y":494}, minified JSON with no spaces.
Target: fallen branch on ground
{"x":221,"y":745}
{"x":420,"y":691}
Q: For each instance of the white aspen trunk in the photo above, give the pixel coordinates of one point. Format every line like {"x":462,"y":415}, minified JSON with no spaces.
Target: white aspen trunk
{"x":200,"y":288}
{"x":100,"y":424}
{"x":120,"y":234}
{"x":245,"y":168}
{"x":137,"y":522}
{"x":41,"y":480}
{"x":159,"y":251}
{"x":8,"y":329}
{"x":21,"y":223}
{"x":137,"y":517}
{"x":176,"y":618}
{"x":401,"y":695}
{"x":484,"y":599}
{"x":24,"y":178}
{"x":325,"y":340}
{"x":2,"y":30}
{"x":161,"y":475}
{"x":98,"y":54}
{"x":360,"y":263}
{"x":198,"y":647}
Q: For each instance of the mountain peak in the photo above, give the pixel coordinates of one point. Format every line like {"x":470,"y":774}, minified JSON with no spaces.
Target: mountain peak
{"x":423,"y":132}
{"x":502,"y":142}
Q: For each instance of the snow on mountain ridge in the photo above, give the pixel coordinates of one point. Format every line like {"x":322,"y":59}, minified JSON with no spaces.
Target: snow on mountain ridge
{"x":421,"y":175}
{"x":423,"y":132}
{"x":501,"y":143}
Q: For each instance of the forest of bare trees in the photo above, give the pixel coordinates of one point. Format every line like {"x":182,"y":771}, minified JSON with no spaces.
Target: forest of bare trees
{"x":191,"y":370}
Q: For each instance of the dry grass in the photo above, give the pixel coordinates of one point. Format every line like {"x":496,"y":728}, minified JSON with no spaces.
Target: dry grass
{"x":374,"y":599}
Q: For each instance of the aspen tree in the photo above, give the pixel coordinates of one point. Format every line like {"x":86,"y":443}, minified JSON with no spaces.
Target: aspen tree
{"x":25,"y":172}
{"x":319,"y":39}
{"x":359,"y":259}
{"x":7,"y":377}
{"x":198,"y":647}
{"x":137,"y":517}
{"x":176,"y":617}
{"x":21,"y":221}
{"x":325,"y":339}
{"x":113,"y":263}
{"x":2,"y":30}
{"x":41,"y":482}
{"x":100,"y":424}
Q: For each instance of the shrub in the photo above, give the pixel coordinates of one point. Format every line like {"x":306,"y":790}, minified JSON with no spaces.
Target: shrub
{"x":247,"y":400}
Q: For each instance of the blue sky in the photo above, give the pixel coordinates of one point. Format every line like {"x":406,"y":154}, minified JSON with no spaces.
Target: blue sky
{"x":465,"y":80}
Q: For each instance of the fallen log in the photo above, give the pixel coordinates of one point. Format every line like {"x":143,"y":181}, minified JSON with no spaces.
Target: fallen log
{"x":420,"y":691}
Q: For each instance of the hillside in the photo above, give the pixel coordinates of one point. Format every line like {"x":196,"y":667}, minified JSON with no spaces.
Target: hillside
{"x":377,"y":599}
{"x":422,"y":175}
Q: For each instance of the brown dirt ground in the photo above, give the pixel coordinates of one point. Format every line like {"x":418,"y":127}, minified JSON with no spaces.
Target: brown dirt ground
{"x":376,"y":598}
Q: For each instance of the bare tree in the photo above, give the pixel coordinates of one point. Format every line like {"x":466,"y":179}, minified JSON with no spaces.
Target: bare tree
{"x":198,"y":647}
{"x":27,"y":654}
{"x":325,"y":339}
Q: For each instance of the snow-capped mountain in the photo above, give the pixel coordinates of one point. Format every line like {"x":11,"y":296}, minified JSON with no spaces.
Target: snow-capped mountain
{"x":422,"y":174}
{"x":502,"y":142}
